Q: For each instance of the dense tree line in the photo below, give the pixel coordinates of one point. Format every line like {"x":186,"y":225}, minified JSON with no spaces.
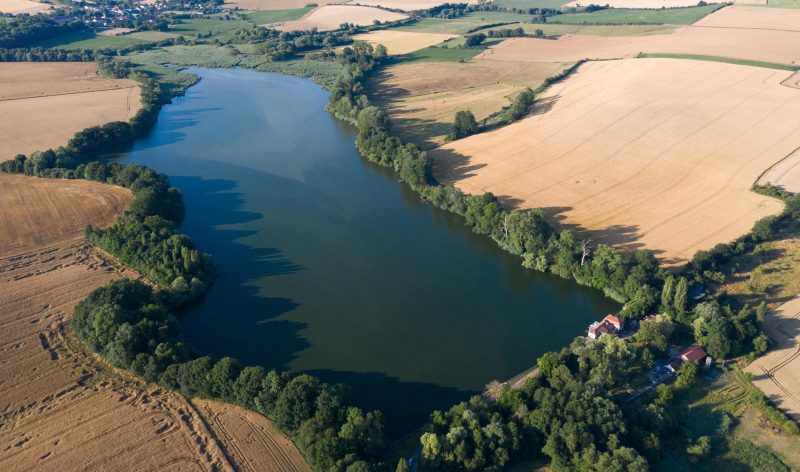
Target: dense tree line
{"x":45,"y":55}
{"x":509,"y":33}
{"x":130,"y":326}
{"x":24,"y":30}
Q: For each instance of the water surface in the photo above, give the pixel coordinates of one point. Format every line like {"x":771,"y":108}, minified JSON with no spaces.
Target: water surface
{"x":328,"y":265}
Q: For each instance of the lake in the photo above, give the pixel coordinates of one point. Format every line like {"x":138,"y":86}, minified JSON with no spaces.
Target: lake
{"x":327,"y":265}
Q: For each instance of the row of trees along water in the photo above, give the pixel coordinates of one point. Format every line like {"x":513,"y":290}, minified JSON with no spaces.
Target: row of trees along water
{"x":568,"y":413}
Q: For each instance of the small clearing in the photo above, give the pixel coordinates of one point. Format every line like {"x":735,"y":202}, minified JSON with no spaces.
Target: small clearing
{"x":777,"y":373}
{"x":331,"y":17}
{"x":657,"y":154}
{"x":422,"y":98}
{"x":402,"y":42}
{"x":43,"y":104}
{"x":17,"y":7}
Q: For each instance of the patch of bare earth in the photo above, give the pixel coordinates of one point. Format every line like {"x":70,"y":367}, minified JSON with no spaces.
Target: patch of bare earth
{"x":422,"y":98}
{"x":61,"y":407}
{"x":42,"y":105}
{"x":777,"y":373}
{"x":330,"y":17}
{"x":657,"y":154}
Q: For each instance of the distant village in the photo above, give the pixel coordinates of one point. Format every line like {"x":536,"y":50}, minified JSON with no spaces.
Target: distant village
{"x":133,"y":14}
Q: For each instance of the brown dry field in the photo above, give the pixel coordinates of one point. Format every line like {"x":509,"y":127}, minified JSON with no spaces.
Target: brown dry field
{"x":42,"y":105}
{"x":254,"y":443}
{"x":753,"y":17}
{"x":777,"y":373}
{"x":402,"y":42}
{"x":61,"y":407}
{"x":657,"y":154}
{"x":749,"y":44}
{"x":422,"y":98}
{"x":330,"y":17}
{"x":405,"y":5}
{"x":17,"y":7}
{"x":277,"y":4}
{"x":30,"y":206}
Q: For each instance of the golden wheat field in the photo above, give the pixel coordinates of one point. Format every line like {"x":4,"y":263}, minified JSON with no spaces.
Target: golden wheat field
{"x":402,"y":42}
{"x":644,"y":153}
{"x":422,"y":98}
{"x":330,"y":17}
{"x":17,"y":7}
{"x":42,"y":105}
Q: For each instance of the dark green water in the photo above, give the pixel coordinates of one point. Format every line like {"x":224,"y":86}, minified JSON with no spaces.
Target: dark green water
{"x":327,"y":265}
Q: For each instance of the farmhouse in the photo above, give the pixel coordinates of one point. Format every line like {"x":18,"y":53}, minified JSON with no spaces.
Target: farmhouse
{"x":609,"y":325}
{"x":693,"y":354}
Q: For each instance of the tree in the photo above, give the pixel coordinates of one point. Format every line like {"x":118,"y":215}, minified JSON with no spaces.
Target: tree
{"x":681,"y":297}
{"x":402,"y":466}
{"x":464,"y":125}
{"x":474,"y":40}
{"x":655,"y":334}
{"x":687,"y":376}
{"x":668,"y":294}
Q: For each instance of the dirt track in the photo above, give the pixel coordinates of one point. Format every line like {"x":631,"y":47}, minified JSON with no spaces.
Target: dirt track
{"x":643,"y":153}
{"x":42,"y":105}
{"x":777,"y":373}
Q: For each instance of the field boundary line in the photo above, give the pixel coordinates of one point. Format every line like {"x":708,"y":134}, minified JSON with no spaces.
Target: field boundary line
{"x":67,"y":93}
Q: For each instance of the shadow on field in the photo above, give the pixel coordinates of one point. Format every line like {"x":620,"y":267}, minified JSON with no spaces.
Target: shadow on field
{"x":249,"y":328}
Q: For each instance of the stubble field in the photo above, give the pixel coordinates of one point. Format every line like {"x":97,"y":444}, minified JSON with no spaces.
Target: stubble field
{"x":330,"y":17}
{"x":777,"y":373}
{"x":657,"y":154}
{"x":402,"y":42}
{"x":42,"y":105}
{"x":61,"y":407}
{"x":405,"y":5}
{"x":422,"y":98}
{"x":776,"y":46}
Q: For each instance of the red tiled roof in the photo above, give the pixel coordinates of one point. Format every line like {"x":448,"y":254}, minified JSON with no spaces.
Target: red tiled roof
{"x":675,"y":364}
{"x":613,"y":320}
{"x":693,"y":353}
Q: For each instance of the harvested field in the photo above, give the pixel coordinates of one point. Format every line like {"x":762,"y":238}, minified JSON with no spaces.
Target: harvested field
{"x":777,"y":373}
{"x":781,"y":47}
{"x":402,"y":42}
{"x":42,"y":105}
{"x":785,"y":174}
{"x":45,"y":211}
{"x":657,"y":154}
{"x":422,"y":98}
{"x":17,"y":7}
{"x":277,"y":4}
{"x":645,"y":3}
{"x":753,"y":18}
{"x":404,"y":5}
{"x":252,"y":443}
{"x":115,"y":31}
{"x":61,"y":408}
{"x":330,"y":17}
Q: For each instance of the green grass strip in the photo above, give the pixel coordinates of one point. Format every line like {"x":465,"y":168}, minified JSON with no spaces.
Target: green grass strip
{"x":727,"y":60}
